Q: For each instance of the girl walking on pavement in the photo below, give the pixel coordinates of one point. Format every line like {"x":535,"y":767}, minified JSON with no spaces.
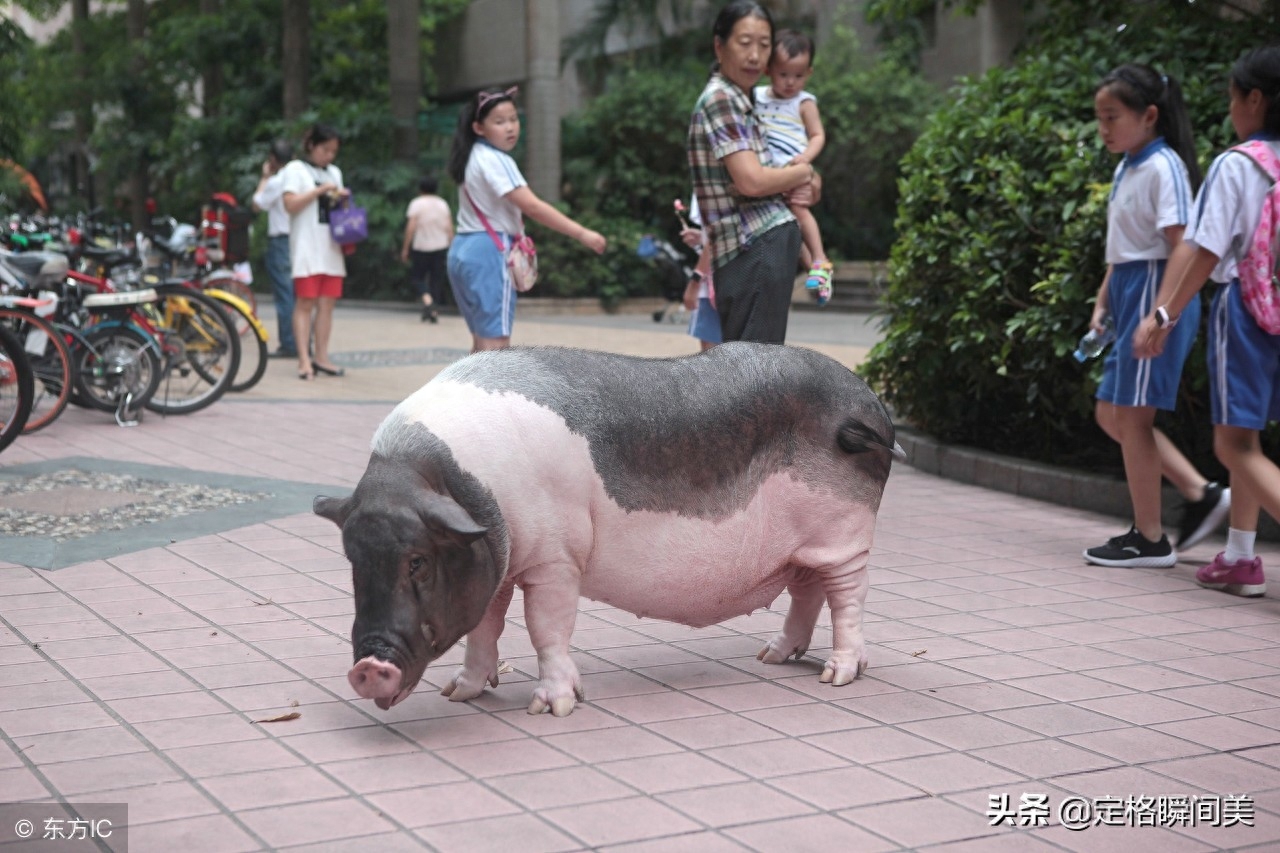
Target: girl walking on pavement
{"x":1244,"y":360}
{"x":1141,"y":114}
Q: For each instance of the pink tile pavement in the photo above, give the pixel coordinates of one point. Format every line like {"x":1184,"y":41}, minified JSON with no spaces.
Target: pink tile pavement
{"x":1000,"y":664}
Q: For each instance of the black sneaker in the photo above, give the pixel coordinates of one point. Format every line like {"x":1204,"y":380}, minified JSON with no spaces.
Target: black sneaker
{"x":1133,"y":550}
{"x":1204,"y":516}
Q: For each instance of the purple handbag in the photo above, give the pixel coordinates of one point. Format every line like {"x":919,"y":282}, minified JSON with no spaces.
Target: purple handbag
{"x":347,"y":223}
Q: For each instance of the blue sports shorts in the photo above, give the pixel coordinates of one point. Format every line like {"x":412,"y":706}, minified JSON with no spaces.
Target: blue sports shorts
{"x":1244,"y":364}
{"x":481,"y":284}
{"x":704,"y":323}
{"x":1129,"y":381}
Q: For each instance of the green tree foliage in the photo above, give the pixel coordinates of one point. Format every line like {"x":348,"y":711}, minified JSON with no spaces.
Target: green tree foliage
{"x":1002,"y":230}
{"x":196,"y":149}
{"x":624,"y":155}
{"x":624,"y":165}
{"x":14,"y":50}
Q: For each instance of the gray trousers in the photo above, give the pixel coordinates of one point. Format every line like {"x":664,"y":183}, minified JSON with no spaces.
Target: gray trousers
{"x":753,"y":291}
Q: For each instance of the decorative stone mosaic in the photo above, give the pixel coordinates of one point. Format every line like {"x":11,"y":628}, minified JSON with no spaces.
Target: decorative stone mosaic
{"x":399,"y":357}
{"x":72,"y":503}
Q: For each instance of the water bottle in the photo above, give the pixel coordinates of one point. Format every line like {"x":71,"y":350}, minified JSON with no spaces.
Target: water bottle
{"x":1092,"y":344}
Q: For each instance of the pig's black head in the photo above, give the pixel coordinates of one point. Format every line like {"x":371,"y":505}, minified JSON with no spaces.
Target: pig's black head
{"x":423,"y":572}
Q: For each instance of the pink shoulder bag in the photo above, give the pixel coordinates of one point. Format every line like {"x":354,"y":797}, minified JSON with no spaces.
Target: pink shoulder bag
{"x":522,"y":259}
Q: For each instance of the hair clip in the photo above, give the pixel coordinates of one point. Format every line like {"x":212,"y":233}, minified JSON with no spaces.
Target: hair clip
{"x":485,"y":97}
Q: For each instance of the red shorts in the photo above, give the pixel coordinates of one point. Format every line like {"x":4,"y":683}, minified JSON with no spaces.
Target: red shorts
{"x":315,"y":286}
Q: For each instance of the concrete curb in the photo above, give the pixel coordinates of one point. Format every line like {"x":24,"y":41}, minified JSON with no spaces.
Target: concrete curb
{"x":1100,"y":493}
{"x":1078,"y":489}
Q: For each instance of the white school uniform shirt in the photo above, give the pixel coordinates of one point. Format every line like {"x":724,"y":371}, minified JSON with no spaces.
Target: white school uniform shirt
{"x":1150,"y":192}
{"x":784,"y":130}
{"x":271,"y":199}
{"x":490,"y":175}
{"x":1228,"y":208}
{"x":311,"y":246}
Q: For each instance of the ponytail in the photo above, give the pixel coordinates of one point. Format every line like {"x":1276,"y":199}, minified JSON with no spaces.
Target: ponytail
{"x":1139,"y":87}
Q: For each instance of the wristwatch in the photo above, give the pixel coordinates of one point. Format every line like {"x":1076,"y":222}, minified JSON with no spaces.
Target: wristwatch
{"x":696,"y":276}
{"x":1163,"y":320}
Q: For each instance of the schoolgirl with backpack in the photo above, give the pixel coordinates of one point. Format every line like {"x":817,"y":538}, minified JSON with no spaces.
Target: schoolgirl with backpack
{"x":1228,"y":241}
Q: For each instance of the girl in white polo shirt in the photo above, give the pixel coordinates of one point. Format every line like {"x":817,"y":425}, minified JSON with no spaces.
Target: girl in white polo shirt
{"x":1141,"y":114}
{"x":1244,"y":360}
{"x":491,"y":188}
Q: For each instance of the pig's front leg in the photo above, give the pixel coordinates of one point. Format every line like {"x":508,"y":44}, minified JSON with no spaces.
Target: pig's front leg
{"x":480,"y":664}
{"x":806,"y":603}
{"x":846,"y":588}
{"x":550,"y":609}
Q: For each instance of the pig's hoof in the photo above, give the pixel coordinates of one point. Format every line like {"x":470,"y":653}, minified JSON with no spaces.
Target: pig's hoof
{"x":466,"y":686}
{"x":838,"y":675}
{"x":561,"y":706}
{"x":779,"y":650}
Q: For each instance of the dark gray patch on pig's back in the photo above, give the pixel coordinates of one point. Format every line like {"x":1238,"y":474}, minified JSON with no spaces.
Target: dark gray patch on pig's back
{"x":698,"y":435}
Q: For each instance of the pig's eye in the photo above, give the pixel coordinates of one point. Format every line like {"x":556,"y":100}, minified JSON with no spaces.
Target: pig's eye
{"x":416,"y":564}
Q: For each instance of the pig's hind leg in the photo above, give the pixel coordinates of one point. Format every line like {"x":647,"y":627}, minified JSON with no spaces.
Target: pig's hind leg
{"x":480,"y":664}
{"x":846,"y":590}
{"x":807,"y":596}
{"x":550,"y":610}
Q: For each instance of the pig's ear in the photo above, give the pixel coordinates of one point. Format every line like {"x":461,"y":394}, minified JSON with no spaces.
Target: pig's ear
{"x":334,"y":509}
{"x":445,"y":516}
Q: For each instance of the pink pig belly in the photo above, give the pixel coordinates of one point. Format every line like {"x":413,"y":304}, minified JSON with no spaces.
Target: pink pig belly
{"x":698,"y":571}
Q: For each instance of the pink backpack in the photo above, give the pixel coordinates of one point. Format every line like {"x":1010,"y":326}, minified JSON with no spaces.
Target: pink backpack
{"x":1257,"y":267}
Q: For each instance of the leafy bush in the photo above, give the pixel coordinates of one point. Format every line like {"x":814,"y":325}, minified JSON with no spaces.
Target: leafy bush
{"x":872,"y":112}
{"x":624,"y":154}
{"x":567,"y":268}
{"x":1001,"y":234}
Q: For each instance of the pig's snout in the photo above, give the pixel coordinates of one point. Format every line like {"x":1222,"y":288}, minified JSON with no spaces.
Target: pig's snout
{"x":377,"y":680}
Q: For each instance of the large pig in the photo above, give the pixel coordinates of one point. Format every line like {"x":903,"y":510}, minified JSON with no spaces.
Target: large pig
{"x":687,"y":489}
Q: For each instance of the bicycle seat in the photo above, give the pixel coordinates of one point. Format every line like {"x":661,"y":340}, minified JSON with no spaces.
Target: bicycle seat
{"x":35,"y":267}
{"x":115,"y":300}
{"x":109,"y":258}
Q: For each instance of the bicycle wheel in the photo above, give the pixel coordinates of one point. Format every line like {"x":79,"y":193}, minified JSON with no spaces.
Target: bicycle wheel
{"x":16,"y":384}
{"x":51,"y":364}
{"x":114,"y":362}
{"x":200,"y":347}
{"x":253,"y":342}
{"x":227,"y":282}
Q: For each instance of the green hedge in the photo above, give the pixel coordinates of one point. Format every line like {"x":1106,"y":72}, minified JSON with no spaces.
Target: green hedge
{"x":567,"y":268}
{"x":1000,"y":253}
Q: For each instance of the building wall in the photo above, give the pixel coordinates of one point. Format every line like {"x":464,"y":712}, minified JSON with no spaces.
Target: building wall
{"x":971,"y":44}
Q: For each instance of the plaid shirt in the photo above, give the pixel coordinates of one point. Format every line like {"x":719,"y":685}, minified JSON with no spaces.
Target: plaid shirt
{"x":724,"y":122}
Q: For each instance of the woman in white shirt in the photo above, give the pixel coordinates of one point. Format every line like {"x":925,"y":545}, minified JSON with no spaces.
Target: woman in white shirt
{"x":312,"y":187}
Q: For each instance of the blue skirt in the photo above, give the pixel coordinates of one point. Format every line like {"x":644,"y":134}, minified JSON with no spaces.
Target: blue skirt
{"x":482,"y":285}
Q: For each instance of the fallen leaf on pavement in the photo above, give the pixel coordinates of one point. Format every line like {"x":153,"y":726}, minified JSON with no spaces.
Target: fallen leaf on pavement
{"x":283,"y":718}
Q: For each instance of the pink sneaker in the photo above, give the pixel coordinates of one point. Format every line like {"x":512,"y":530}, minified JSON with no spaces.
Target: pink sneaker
{"x":1243,"y":577}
